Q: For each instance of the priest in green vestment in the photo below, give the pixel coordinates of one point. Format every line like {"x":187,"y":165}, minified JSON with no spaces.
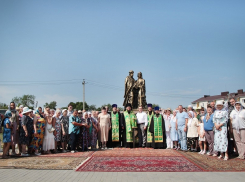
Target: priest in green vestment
{"x":129,"y":123}
{"x":116,"y":128}
{"x":157,"y":128}
{"x":150,"y":114}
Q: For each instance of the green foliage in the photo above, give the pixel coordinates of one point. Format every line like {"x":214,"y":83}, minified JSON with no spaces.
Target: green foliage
{"x":155,"y":105}
{"x":3,"y":106}
{"x":79,"y":105}
{"x":25,"y":100}
{"x":92,"y":107}
{"x":51,"y":105}
{"x":121,"y":108}
{"x":108,"y":105}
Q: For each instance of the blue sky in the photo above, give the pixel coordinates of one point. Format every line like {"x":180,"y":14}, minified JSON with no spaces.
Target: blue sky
{"x":185,"y":49}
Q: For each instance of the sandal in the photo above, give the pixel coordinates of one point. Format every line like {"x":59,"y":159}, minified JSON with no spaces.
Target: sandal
{"x":220,"y":157}
{"x":226,"y":158}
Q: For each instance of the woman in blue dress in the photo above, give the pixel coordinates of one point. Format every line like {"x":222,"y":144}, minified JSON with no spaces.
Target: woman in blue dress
{"x":173,"y":131}
{"x":220,"y":120}
{"x":6,"y":134}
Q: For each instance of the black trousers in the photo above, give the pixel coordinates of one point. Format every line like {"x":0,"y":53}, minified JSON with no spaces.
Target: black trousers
{"x":73,"y":140}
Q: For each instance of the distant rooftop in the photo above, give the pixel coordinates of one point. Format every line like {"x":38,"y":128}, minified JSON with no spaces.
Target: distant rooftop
{"x":223,"y":95}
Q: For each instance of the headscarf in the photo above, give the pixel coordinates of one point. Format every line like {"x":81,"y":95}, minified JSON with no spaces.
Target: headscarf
{"x":57,"y":111}
{"x":84,"y":114}
{"x":220,"y":103}
{"x":12,"y":110}
{"x":37,"y":112}
{"x":235,"y":119}
{"x":8,"y":114}
{"x":190,"y":118}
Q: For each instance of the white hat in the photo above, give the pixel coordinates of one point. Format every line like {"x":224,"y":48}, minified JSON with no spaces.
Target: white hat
{"x":219,"y":103}
{"x":64,"y":110}
{"x":21,"y":106}
{"x":26,"y":110}
{"x":190,"y":106}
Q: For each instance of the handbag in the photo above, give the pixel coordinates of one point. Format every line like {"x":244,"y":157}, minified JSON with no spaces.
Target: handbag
{"x":51,"y":129}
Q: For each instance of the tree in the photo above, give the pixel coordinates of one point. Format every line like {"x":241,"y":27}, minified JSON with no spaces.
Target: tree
{"x":108,"y":105}
{"x":155,"y":105}
{"x":79,"y":105}
{"x":92,"y":107}
{"x":25,"y":100}
{"x":3,"y":106}
{"x":51,"y":105}
{"x":120,"y":108}
{"x":17,"y":101}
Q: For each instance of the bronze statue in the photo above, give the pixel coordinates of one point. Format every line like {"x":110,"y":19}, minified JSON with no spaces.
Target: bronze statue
{"x":135,"y":91}
{"x":129,"y":84}
{"x":140,"y":86}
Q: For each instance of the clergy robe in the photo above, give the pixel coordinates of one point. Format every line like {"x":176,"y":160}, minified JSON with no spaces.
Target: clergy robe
{"x":129,"y":122}
{"x":115,"y":137}
{"x":157,"y":128}
{"x":150,"y":114}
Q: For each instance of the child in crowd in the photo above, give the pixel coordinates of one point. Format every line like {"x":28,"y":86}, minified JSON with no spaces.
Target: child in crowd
{"x":202,"y":140}
{"x":6,"y":134}
{"x":192,"y":133}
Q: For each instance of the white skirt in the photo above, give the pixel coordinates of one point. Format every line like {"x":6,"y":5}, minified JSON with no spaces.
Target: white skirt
{"x":48,"y":141}
{"x":202,"y":139}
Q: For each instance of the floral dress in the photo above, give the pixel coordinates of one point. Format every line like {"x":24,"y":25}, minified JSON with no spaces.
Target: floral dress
{"x":28,"y":122}
{"x":65,"y":121}
{"x":37,"y":140}
{"x":94,"y":133}
{"x":83,"y":139}
{"x":220,"y":137}
{"x":6,"y":131}
{"x":58,"y":129}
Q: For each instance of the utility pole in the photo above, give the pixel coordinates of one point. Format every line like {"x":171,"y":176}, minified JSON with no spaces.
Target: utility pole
{"x":83,"y":94}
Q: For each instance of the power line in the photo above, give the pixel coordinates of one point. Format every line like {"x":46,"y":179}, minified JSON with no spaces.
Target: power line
{"x":92,"y":83}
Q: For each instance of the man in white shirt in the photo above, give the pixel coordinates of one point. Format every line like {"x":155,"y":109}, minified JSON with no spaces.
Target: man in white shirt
{"x":142,"y":123}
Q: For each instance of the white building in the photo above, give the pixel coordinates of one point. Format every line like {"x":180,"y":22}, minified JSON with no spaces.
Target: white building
{"x":207,"y":99}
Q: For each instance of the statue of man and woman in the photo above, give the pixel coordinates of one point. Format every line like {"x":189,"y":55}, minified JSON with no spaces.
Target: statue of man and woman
{"x":135,"y":91}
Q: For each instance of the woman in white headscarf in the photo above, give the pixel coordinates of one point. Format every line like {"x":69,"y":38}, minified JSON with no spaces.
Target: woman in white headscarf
{"x":192,"y":132}
{"x":238,"y":124}
{"x":220,"y":120}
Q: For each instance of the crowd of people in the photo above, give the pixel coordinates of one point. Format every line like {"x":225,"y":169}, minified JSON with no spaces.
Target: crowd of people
{"x":218,"y":130}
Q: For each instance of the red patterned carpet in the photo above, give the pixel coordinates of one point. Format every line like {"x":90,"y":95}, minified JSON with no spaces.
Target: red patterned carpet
{"x":213,"y":164}
{"x":69,"y":154}
{"x":139,"y":164}
{"x":137,"y":152}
